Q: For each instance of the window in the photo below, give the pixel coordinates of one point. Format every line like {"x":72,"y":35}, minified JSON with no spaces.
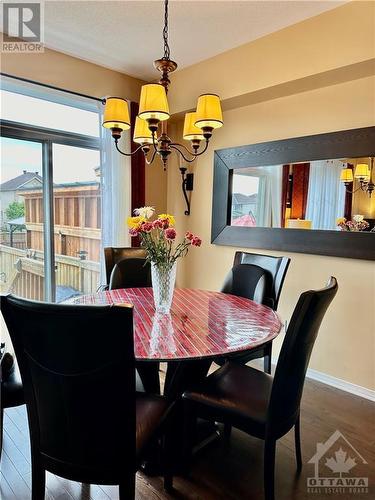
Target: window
{"x":50,"y":195}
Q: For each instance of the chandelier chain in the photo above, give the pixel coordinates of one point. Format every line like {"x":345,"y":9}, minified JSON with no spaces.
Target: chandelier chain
{"x":167,"y":52}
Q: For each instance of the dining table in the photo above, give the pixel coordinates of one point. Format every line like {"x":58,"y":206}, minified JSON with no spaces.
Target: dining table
{"x":202,"y":326}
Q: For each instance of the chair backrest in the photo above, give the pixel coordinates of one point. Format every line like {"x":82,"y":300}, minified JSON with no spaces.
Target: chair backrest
{"x":277,"y":268}
{"x":130,"y":273}
{"x":78,"y":371}
{"x":295,"y":353}
{"x":247,"y":280}
{"x":113,"y":255}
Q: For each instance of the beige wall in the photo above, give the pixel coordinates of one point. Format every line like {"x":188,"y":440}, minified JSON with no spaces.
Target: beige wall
{"x":346,"y":344}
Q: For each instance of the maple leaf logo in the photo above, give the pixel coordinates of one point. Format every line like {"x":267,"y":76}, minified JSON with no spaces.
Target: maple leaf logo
{"x":340,"y":464}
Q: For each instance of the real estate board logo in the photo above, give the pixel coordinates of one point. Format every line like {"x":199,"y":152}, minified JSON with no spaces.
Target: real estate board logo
{"x":338,"y":468}
{"x":23,"y":27}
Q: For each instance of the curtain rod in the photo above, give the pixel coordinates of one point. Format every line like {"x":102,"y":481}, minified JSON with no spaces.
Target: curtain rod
{"x":46,"y":85}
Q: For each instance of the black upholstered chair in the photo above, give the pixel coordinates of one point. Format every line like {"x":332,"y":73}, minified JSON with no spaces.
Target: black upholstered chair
{"x":87,"y":423}
{"x":130,"y":273}
{"x":114,"y":255}
{"x":11,"y":387}
{"x":263,"y":406}
{"x":260,"y":278}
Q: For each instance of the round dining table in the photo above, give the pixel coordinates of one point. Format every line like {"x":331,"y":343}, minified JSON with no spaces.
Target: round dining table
{"x":201,"y":326}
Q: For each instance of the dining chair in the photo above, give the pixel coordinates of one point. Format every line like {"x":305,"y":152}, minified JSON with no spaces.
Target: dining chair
{"x":263,"y":406}
{"x":11,"y":394}
{"x":245,"y":280}
{"x":130,"y":273}
{"x":87,"y":423}
{"x":113,"y":255}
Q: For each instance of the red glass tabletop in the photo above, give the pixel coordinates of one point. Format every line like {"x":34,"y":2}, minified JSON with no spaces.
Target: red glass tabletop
{"x":201,"y":324}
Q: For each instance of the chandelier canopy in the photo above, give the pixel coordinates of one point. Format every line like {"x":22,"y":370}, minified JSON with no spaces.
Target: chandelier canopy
{"x":150,"y":129}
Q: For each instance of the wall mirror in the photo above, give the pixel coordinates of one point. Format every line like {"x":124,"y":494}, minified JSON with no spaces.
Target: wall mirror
{"x":311,"y":194}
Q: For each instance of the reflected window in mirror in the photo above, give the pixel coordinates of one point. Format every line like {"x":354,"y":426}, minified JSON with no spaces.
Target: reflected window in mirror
{"x":324,"y":194}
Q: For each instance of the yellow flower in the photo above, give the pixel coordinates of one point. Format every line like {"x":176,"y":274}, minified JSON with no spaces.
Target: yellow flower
{"x":134,"y":222}
{"x":167,"y":217}
{"x":340,"y":220}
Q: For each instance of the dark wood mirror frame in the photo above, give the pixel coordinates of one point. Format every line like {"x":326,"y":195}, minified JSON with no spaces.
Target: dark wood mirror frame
{"x":345,"y":144}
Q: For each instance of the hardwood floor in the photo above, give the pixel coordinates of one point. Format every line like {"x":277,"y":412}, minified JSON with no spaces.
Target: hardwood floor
{"x":230,"y":471}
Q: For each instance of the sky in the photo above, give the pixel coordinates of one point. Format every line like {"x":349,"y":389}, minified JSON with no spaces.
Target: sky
{"x":245,"y":184}
{"x":70,"y":164}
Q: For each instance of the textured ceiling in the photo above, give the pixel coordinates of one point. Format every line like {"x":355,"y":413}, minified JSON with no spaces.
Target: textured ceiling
{"x":126,"y":35}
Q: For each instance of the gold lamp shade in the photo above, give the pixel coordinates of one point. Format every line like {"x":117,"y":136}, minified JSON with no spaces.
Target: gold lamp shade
{"x":142,"y":134}
{"x":153,"y":103}
{"x":346,"y":175}
{"x":116,"y":113}
{"x":209,"y":112}
{"x":362,"y":171}
{"x":191,"y":132}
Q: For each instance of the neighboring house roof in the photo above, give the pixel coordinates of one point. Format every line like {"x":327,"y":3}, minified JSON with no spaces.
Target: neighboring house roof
{"x":64,"y":185}
{"x":243,"y":199}
{"x":20,"y":181}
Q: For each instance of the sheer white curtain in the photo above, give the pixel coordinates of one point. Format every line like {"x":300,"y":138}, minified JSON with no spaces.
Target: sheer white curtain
{"x":269,"y":196}
{"x":116,"y":190}
{"x":326,"y":194}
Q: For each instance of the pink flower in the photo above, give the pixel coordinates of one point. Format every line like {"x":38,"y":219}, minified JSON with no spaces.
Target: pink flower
{"x":196,"y":241}
{"x":170,"y":233}
{"x":134,"y":232}
{"x":147,"y":227}
{"x":158,"y":223}
{"x":189,"y":235}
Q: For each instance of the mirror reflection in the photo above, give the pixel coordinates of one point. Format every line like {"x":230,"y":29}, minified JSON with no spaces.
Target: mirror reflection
{"x":323,"y":194}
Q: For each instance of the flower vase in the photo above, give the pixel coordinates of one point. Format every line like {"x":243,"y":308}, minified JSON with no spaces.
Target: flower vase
{"x":163,"y":281}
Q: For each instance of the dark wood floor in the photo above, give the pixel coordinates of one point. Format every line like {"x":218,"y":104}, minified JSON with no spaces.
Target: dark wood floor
{"x":232,"y":471}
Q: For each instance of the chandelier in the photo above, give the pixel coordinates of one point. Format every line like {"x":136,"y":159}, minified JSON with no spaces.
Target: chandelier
{"x":150,"y":129}
{"x":363,"y":174}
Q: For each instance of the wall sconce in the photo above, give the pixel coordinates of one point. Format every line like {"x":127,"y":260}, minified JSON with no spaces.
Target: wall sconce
{"x":362,"y":173}
{"x":187,"y":185}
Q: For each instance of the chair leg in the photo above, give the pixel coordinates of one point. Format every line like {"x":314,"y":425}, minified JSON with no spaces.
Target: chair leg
{"x":1,"y":430}
{"x":167,"y":461}
{"x":127,"y":488}
{"x":269,"y":469}
{"x":297,"y":441}
{"x":190,"y":422}
{"x":38,"y":482}
{"x":267,"y":358}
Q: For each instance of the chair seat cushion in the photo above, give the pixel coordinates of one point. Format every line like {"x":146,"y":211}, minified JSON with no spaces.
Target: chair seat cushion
{"x":151,"y":411}
{"x":237,"y":394}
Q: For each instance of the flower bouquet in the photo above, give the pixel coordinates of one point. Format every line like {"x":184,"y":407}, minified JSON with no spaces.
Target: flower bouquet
{"x":356,"y":224}
{"x":158,"y":238}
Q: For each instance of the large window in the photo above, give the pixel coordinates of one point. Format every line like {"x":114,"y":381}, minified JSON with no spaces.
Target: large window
{"x":50,"y":195}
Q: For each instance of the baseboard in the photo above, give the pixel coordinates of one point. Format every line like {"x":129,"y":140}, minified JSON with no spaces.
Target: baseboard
{"x":357,"y":390}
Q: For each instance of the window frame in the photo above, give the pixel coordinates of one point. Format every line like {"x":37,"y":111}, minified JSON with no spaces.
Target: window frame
{"x":47,"y":137}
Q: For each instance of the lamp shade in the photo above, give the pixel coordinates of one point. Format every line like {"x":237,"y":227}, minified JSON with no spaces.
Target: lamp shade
{"x":362,"y":171}
{"x":346,"y":175}
{"x":142,"y":134}
{"x":191,"y":132}
{"x":116,"y":113}
{"x":209,"y":112}
{"x":153,"y":103}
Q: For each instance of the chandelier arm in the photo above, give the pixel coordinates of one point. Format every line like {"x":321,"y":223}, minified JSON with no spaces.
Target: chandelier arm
{"x":127,"y":154}
{"x":353,"y":191}
{"x":181,"y":153}
{"x":152,"y":158}
{"x":192,"y":153}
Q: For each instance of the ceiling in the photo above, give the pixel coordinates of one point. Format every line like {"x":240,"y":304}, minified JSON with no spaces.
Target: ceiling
{"x":126,"y":35}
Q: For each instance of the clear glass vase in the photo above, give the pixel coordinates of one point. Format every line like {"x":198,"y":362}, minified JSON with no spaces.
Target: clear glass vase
{"x":163,"y":281}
